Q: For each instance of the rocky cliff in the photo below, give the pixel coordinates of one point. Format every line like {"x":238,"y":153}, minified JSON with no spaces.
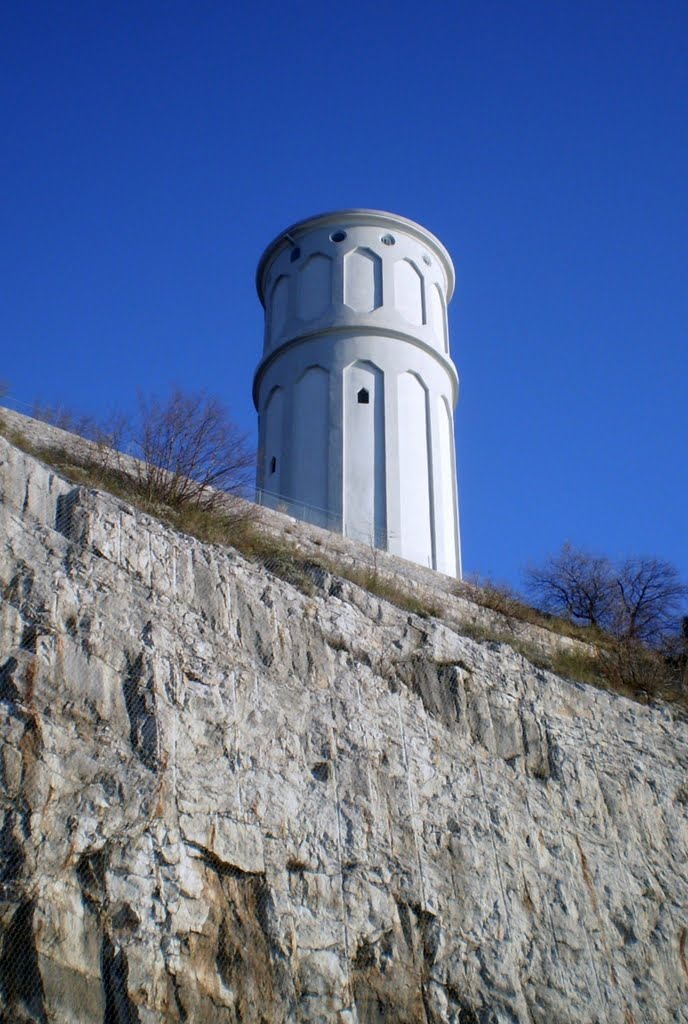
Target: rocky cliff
{"x":227,"y":800}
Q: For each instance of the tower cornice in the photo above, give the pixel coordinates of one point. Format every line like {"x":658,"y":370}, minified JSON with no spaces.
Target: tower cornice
{"x":369,"y":218}
{"x":368,"y":331}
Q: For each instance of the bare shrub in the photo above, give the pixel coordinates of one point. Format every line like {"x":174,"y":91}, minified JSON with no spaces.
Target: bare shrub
{"x":64,"y":418}
{"x":675,"y":652}
{"x":190,"y":452}
{"x":182,"y":457}
{"x":627,"y":663}
{"x":517,"y":612}
{"x":500,"y":598}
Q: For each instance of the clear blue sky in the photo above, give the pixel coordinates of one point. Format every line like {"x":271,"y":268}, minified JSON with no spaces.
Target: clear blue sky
{"x":151,"y":150}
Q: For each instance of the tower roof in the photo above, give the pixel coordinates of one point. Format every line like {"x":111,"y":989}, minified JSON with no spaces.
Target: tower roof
{"x":379,"y":218}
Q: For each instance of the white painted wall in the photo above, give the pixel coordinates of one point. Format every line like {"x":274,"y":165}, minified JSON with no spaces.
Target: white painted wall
{"x":438,"y":316}
{"x":270,"y":455}
{"x":445,"y":487}
{"x":279,"y":308}
{"x":409,"y":297}
{"x":358,"y":299}
{"x":314,"y":286}
{"x":307,"y":457}
{"x":364,"y":454}
{"x":414,"y":470}
{"x":362,"y":280}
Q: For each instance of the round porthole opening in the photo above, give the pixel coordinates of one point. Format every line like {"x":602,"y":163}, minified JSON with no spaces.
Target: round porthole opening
{"x":388,"y":240}
{"x":338,"y":236}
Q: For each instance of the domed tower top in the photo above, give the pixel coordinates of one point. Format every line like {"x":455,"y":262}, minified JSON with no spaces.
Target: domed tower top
{"x":288,"y":240}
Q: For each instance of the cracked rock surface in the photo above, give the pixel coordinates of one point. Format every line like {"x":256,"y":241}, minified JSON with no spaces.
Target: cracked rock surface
{"x":226,"y":801}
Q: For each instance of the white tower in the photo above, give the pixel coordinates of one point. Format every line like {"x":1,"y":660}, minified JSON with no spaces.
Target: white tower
{"x":355,"y":391}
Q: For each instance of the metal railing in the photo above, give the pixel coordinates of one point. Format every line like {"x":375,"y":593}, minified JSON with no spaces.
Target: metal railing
{"x":326,"y":519}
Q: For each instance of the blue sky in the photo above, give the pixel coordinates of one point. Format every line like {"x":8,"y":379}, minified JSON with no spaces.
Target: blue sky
{"x":151,"y":150}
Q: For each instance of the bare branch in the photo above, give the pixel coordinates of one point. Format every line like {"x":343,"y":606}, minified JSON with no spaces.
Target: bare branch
{"x":574,"y":584}
{"x":191,"y":452}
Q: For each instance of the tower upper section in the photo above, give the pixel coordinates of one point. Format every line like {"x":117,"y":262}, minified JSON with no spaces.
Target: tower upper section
{"x":356,"y":270}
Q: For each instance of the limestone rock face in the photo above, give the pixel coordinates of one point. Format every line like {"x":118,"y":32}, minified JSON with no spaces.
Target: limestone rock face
{"x":226,"y":801}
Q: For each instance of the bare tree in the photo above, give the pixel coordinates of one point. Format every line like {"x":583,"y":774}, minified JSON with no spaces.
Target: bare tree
{"x":637,"y":603}
{"x":191,"y":452}
{"x":649,"y":598}
{"x":574,"y":584}
{"x":639,"y":599}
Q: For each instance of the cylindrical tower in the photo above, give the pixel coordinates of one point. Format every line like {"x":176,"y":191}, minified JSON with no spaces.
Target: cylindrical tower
{"x":356,"y":390}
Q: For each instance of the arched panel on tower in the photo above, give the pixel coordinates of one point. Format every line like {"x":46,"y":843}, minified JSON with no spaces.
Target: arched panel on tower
{"x":408,"y":291}
{"x":362,"y":280}
{"x":365,"y":509}
{"x":308,"y":458}
{"x":414,"y":470}
{"x":314,"y":290}
{"x":438,"y":317}
{"x":272,"y":454}
{"x":279,"y":307}
{"x":445,"y":489}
